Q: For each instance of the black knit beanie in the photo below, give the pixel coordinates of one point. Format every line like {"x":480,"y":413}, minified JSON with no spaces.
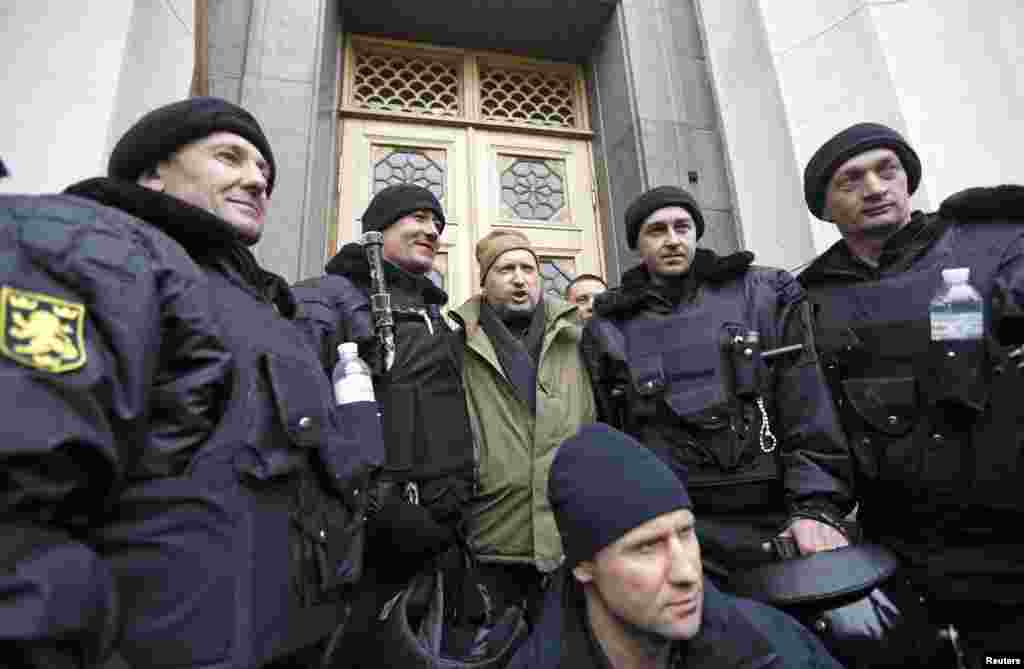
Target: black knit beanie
{"x":845,"y":145}
{"x":396,"y":201}
{"x":161,"y":132}
{"x":603,"y":483}
{"x":654,"y":199}
{"x":3,"y":169}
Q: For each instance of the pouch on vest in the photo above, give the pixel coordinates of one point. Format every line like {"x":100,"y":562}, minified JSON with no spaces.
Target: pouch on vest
{"x":680,"y":357}
{"x":887,"y":404}
{"x":958,"y":374}
{"x":744,"y":350}
{"x":950,"y":373}
{"x":682,"y":360}
{"x":327,"y":530}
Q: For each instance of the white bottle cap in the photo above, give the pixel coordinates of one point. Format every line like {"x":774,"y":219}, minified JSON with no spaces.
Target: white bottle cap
{"x":348,"y":348}
{"x":956,"y":274}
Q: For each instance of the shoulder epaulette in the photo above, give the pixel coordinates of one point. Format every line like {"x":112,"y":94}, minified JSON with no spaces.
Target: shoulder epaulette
{"x":981,"y":204}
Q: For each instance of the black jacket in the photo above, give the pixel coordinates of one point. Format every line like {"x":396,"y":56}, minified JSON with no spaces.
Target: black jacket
{"x":734,"y":633}
{"x":681,"y":397}
{"x":936,"y":437}
{"x":426,"y":426}
{"x":335,"y":308}
{"x":72,"y":437}
{"x":234,"y":495}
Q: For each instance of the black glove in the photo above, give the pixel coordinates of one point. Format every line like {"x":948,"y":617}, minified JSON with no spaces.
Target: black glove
{"x":404,"y":535}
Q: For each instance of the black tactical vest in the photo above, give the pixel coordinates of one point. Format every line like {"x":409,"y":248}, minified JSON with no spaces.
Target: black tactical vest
{"x":426,"y":422}
{"x":692,"y":387}
{"x":933,"y":424}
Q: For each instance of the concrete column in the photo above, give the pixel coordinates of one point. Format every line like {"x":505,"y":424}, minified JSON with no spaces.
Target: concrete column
{"x":679,"y":136}
{"x":75,"y":80}
{"x":277,"y":58}
{"x":766,"y":176}
{"x":656,"y":119}
{"x":158,"y":59}
{"x":832,"y":72}
{"x":616,"y":145}
{"x":946,"y":75}
{"x":957,"y":69}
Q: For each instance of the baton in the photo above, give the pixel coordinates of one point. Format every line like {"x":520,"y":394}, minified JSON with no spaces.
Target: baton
{"x":380,"y":298}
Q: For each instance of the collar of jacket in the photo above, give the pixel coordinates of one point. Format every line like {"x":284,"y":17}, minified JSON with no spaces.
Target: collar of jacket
{"x":205,"y":237}
{"x":984,"y":204}
{"x":899,"y":252}
{"x":636,"y":292}
{"x":721,"y":626}
{"x":726,"y":638}
{"x":559,"y":316}
{"x":351,"y":263}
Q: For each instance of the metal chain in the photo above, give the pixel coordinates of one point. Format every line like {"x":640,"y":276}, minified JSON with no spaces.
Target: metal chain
{"x":765,"y":438}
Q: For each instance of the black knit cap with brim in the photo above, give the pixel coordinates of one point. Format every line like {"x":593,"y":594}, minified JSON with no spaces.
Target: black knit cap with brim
{"x":653,"y":200}
{"x":845,"y":145}
{"x":398,"y":200}
{"x":604,"y":483}
{"x":160,"y":133}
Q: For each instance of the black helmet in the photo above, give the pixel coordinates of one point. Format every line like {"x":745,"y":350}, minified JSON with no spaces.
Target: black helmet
{"x":854,"y":598}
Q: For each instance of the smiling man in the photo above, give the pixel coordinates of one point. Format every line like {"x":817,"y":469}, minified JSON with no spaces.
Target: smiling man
{"x":934,"y":424}
{"x":673,"y":354}
{"x":422,"y":497}
{"x":632,"y":592}
{"x":527,"y":391}
{"x":190,"y":438}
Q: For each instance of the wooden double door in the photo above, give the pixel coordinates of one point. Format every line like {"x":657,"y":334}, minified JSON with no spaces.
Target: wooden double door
{"x":485,"y":179}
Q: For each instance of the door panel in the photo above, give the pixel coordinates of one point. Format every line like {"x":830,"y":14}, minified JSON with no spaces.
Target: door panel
{"x":484,"y":179}
{"x":542,"y":187}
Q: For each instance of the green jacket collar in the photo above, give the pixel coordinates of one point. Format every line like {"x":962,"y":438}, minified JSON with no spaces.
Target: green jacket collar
{"x":559,"y":316}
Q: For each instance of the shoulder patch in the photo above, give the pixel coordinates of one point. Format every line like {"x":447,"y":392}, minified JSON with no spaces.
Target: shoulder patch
{"x":1003,"y":202}
{"x":42,"y":331}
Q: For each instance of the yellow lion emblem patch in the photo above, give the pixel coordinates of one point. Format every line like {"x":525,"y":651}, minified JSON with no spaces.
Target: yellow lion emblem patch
{"x":42,"y":331}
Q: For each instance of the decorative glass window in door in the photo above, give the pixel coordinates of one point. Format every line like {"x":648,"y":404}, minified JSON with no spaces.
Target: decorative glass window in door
{"x":533,"y":189}
{"x":409,"y":165}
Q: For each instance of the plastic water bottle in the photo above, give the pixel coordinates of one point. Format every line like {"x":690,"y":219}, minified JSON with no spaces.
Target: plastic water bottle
{"x":957,"y":312}
{"x":351,"y":377}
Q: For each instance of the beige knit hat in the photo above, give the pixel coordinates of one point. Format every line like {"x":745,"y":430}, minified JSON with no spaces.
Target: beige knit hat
{"x":498,"y":242}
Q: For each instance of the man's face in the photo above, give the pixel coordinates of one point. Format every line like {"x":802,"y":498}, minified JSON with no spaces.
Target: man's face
{"x":667,"y":242}
{"x":512,"y":285}
{"x":649,"y":583}
{"x":582,"y":294}
{"x":412,"y":241}
{"x":223,"y":173}
{"x":867,"y":196}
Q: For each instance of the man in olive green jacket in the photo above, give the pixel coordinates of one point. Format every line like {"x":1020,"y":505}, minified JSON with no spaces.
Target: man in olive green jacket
{"x":527,"y":390}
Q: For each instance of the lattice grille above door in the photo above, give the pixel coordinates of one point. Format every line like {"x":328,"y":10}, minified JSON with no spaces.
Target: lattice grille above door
{"x":395,"y":79}
{"x":522,"y":96}
{"x":406,"y":83}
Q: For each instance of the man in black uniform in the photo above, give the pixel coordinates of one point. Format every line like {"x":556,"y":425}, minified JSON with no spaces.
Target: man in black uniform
{"x":428,"y":479}
{"x":177,"y":481}
{"x":934,"y":425}
{"x":675,"y":358}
